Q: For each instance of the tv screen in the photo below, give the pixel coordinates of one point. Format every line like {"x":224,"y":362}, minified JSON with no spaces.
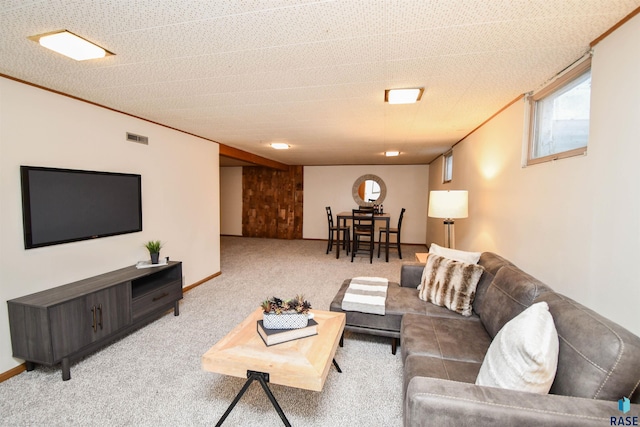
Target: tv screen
{"x":65,"y":205}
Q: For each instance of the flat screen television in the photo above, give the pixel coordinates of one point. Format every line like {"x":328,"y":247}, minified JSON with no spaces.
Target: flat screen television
{"x":65,"y":205}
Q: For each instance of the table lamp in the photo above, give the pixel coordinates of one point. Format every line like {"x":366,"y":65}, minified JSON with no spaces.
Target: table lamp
{"x":449,"y":205}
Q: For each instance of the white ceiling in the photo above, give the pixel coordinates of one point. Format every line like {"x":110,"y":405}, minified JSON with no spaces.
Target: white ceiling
{"x":310,"y":73}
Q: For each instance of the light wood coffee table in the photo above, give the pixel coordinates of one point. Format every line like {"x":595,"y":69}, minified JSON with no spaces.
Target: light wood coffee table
{"x":302,"y":363}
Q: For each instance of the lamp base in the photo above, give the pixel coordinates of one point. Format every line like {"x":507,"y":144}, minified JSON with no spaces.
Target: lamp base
{"x":449,"y":234}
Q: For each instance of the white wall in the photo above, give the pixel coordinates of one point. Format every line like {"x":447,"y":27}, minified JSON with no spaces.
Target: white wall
{"x":231,"y":201}
{"x":331,"y":186}
{"x":573,"y":223}
{"x":407,"y":187}
{"x":180,"y":186}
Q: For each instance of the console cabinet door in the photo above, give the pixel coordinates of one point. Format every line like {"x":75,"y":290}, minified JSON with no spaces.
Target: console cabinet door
{"x":82,"y":321}
{"x":113,"y":309}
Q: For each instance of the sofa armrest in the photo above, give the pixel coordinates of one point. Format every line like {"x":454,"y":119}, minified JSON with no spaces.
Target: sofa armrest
{"x":437,"y":402}
{"x":411,"y":274}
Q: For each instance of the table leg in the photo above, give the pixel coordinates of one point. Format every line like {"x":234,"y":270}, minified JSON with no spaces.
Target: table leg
{"x":342,"y":222}
{"x":263,"y":379}
{"x":387,"y":245}
{"x":338,"y":241}
{"x":337,"y":367}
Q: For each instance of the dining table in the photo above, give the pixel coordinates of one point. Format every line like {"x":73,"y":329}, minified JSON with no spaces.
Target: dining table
{"x":343,"y":217}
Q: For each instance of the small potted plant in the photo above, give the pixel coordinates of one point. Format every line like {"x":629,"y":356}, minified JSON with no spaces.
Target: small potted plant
{"x":285,"y":314}
{"x":154,"y":246}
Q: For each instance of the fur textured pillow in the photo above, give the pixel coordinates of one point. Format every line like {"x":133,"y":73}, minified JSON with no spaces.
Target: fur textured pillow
{"x":449,"y":283}
{"x":524,"y":354}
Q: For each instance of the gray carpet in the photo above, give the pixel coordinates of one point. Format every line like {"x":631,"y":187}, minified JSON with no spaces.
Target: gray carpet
{"x":154,"y":376}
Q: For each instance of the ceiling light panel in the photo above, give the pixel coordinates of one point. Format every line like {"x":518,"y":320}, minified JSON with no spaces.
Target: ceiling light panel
{"x":279,"y":145}
{"x":403,"y":96}
{"x":70,"y":45}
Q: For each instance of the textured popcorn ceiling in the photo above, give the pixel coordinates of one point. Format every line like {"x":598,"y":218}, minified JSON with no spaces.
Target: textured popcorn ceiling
{"x":310,"y":73}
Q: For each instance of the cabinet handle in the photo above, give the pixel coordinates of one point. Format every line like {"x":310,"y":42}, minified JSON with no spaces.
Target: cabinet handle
{"x":100,"y":310}
{"x":94,"y":324}
{"x":160,"y":297}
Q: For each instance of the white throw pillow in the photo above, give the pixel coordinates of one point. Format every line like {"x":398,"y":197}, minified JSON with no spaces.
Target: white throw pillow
{"x":524,"y":353}
{"x":463,"y":256}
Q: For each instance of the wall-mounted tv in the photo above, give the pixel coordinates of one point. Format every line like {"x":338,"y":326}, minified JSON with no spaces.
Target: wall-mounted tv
{"x":65,"y":205}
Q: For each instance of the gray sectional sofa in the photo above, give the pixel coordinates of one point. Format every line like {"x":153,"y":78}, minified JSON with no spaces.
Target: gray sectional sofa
{"x":442,"y":352}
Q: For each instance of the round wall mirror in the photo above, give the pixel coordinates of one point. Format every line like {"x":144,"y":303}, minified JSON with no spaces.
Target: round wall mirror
{"x":369,"y":190}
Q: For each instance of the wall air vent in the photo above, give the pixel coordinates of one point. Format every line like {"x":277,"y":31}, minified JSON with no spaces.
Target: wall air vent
{"x":137,"y":138}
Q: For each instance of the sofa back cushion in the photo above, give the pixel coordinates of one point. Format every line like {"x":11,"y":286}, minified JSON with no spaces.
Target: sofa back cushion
{"x":481,"y":289}
{"x":598,"y":359}
{"x":509,"y":294}
{"x":493,"y":262}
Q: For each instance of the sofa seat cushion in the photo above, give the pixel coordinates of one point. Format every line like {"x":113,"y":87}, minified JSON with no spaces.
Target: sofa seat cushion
{"x":437,"y":311}
{"x":419,"y":365}
{"x":399,"y":301}
{"x":462,"y":339}
{"x":509,"y":294}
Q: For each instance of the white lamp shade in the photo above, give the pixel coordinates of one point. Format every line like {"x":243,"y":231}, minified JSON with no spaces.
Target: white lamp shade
{"x":449,"y":204}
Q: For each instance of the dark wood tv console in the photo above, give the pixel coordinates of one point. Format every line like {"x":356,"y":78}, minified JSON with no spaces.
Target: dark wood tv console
{"x":69,"y":321}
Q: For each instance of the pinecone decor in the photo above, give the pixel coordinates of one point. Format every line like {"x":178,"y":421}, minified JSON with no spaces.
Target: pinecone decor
{"x":285,"y":314}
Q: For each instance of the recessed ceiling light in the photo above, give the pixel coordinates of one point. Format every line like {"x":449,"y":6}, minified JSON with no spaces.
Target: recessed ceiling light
{"x":279,"y":145}
{"x":403,"y":96}
{"x":391,"y":153}
{"x":68,"y":44}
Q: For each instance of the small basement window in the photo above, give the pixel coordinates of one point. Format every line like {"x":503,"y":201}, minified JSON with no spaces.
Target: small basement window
{"x":447,"y":167}
{"x":559,"y":117}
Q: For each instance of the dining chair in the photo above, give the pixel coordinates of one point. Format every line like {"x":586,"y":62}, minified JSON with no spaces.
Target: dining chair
{"x":335,"y":230}
{"x":396,"y":231}
{"x":363,"y":233}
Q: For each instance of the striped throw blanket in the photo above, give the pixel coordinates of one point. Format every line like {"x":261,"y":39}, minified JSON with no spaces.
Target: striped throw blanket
{"x":366,"y":294}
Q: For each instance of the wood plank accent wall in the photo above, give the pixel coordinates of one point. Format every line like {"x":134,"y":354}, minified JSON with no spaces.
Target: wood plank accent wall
{"x":272,"y":202}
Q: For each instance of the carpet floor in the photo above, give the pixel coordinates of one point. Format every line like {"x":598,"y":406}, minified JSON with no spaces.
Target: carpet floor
{"x":153,"y":377}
